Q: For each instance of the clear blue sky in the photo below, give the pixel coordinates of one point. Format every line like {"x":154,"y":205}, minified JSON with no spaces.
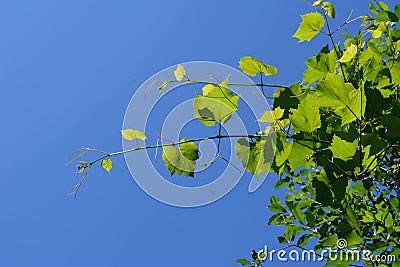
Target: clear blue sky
{"x":67,"y":71}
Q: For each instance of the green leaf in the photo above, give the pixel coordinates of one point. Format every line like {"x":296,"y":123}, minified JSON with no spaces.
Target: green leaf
{"x":317,"y":3}
{"x":303,"y":240}
{"x":283,"y":150}
{"x":131,"y":134}
{"x":392,"y":124}
{"x":300,"y":154}
{"x":179,"y":72}
{"x":343,"y":97}
{"x":384,"y":16}
{"x":216,"y":104}
{"x":106,"y":164}
{"x":395,"y":70}
{"x":397,"y":10}
{"x":353,"y":239}
{"x":272,"y":116}
{"x":352,"y":218}
{"x":291,"y":231}
{"x":297,"y":213}
{"x":310,"y":26}
{"x":320,"y":65}
{"x":244,"y":262}
{"x":181,"y":160}
{"x":329,"y":8}
{"x":342,"y":149}
{"x":349,"y":54}
{"x":323,"y":193}
{"x":306,"y":117}
{"x":383,"y":6}
{"x":256,"y":156}
{"x":252,"y":67}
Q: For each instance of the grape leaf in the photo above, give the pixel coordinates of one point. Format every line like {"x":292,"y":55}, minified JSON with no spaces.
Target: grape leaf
{"x":349,"y":54}
{"x":342,"y":149}
{"x":329,"y":8}
{"x":216,"y":104}
{"x":256,"y":156}
{"x":181,"y":160}
{"x":320,"y":65}
{"x":252,"y":67}
{"x":310,"y":26}
{"x":106,"y":164}
{"x":335,"y":93}
{"x":299,"y":154}
{"x":179,"y":72}
{"x":306,"y":117}
{"x":131,"y":134}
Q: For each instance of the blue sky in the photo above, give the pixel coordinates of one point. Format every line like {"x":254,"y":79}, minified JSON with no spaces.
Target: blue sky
{"x":67,"y":74}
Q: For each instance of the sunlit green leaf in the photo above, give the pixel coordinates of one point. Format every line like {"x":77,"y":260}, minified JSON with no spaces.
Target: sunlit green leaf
{"x":216,"y":104}
{"x":349,"y":54}
{"x":179,"y":72}
{"x":320,"y":65}
{"x":181,"y":160}
{"x":317,"y":2}
{"x":342,"y":149}
{"x":256,"y":156}
{"x":252,"y":67}
{"x":329,"y":8}
{"x":310,"y":26}
{"x":335,"y":93}
{"x":131,"y":134}
{"x":106,"y":164}
{"x":306,"y":117}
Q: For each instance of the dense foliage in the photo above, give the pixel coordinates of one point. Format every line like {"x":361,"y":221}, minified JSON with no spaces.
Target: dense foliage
{"x":336,"y":137}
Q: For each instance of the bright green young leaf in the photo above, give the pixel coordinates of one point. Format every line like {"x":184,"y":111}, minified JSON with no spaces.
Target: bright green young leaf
{"x":335,"y":93}
{"x":271,"y":116}
{"x":216,"y":104}
{"x":395,"y":71}
{"x":310,"y":26}
{"x":319,"y":65}
{"x":383,"y":6}
{"x":349,"y":54}
{"x":252,"y":67}
{"x":317,"y":2}
{"x":342,"y":149}
{"x":131,"y":134}
{"x":283,"y":150}
{"x":179,"y":72}
{"x":329,"y":8}
{"x":306,"y":117}
{"x":181,"y":160}
{"x":106,"y":164}
{"x":256,"y":156}
{"x":300,"y":154}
